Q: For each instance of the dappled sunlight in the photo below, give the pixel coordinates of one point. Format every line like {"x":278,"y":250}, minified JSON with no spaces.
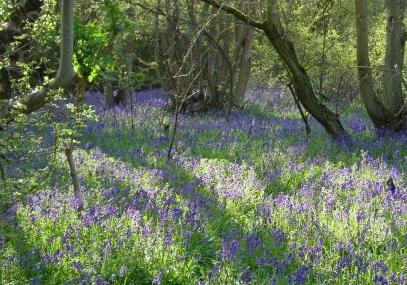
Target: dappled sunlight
{"x":203,"y":142}
{"x":270,"y":206}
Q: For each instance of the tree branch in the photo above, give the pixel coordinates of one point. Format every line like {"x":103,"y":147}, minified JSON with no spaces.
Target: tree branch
{"x":237,"y":13}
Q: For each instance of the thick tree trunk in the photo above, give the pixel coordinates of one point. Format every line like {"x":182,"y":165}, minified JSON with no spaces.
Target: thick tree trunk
{"x":374,"y":108}
{"x":385,"y":113}
{"x":109,"y":95}
{"x":5,"y":84}
{"x":65,"y":72}
{"x":244,"y":41}
{"x":394,"y":60}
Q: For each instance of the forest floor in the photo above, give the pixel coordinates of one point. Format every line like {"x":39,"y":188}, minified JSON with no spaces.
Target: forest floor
{"x":246,"y":199}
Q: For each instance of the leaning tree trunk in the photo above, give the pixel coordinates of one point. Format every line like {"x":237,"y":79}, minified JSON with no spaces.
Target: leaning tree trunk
{"x":301,"y":82}
{"x":285,"y":49}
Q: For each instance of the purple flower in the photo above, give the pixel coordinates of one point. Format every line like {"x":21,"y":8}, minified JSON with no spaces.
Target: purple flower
{"x":246,"y":275}
{"x":253,"y":241}
{"x":278,"y":237}
{"x":357,"y":124}
{"x":230,"y":249}
{"x":77,"y":266}
{"x":301,"y":275}
{"x":380,"y":279}
{"x":110,"y":192}
{"x":379,"y":267}
{"x":344,"y":263}
{"x":272,"y":176}
{"x":360,"y":216}
{"x":123,"y":271}
{"x":168,"y":236}
{"x":100,"y":281}
{"x":330,"y":204}
{"x":157,"y":279}
{"x":360,"y":263}
{"x":75,"y":203}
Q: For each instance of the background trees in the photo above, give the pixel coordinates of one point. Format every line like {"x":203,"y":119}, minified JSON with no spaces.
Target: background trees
{"x":206,"y":51}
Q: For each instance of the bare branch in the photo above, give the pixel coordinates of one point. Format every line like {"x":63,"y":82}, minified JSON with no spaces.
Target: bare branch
{"x":237,"y":13}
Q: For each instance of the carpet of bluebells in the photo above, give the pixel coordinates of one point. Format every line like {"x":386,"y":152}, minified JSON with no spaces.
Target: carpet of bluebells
{"x":246,"y":199}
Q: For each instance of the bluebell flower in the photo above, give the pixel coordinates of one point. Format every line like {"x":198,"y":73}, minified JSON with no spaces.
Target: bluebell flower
{"x":301,"y":275}
{"x":245,"y":276}
{"x":123,"y":271}
{"x":157,"y":279}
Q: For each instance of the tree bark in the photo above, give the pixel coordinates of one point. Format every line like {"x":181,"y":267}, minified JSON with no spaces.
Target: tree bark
{"x":394,"y":58}
{"x":157,"y":46}
{"x":244,"y":41}
{"x":65,"y":72}
{"x":301,"y":82}
{"x":74,"y":175}
{"x":388,"y":112}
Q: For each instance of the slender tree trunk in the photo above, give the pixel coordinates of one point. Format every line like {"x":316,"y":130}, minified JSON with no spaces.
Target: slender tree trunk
{"x":304,"y":116}
{"x":157,"y":47}
{"x":74,"y":174}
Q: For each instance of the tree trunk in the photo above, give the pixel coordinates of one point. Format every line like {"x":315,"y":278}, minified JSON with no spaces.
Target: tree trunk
{"x":244,"y":41}
{"x":393,"y":94}
{"x":65,"y":72}
{"x":301,"y":82}
{"x":109,"y":94}
{"x":74,"y":175}
{"x":387,"y":113}
{"x":157,"y":47}
{"x":65,"y":75}
{"x":285,"y":49}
